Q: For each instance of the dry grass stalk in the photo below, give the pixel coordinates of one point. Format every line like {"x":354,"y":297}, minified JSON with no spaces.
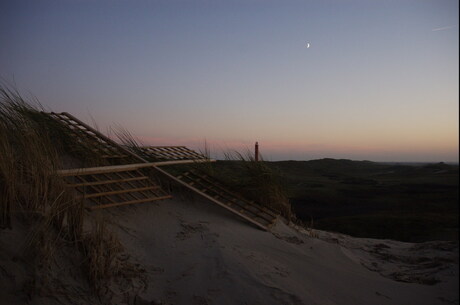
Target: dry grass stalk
{"x":101,"y":249}
{"x":261,"y":183}
{"x":30,"y":154}
{"x":8,"y":190}
{"x":27,"y":161}
{"x":207,"y":167}
{"x":132,"y":143}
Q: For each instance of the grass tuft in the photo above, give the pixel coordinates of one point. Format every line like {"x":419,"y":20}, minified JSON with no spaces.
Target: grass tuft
{"x":32,"y":149}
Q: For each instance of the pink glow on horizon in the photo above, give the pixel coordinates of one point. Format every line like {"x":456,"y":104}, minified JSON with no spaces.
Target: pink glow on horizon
{"x":287,"y":150}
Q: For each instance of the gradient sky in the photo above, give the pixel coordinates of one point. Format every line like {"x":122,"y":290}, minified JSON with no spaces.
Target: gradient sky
{"x":379,"y":81}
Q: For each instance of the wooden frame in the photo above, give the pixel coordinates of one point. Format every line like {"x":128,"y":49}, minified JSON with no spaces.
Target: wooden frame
{"x":117,"y":185}
{"x":171,"y":153}
{"x":262,"y":219}
{"x":112,"y":186}
{"x":94,"y":140}
{"x":120,"y":168}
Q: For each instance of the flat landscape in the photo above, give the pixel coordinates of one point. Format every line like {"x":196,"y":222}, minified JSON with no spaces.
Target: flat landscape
{"x":407,"y":202}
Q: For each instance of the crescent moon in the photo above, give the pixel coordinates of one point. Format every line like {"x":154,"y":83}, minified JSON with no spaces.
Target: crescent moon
{"x":308,"y":45}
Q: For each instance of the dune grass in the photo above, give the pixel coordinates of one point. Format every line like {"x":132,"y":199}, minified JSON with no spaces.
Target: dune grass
{"x":28,"y":159}
{"x":126,"y":138}
{"x":254,"y":180}
{"x":29,"y":189}
{"x":32,"y":148}
{"x":261,"y":183}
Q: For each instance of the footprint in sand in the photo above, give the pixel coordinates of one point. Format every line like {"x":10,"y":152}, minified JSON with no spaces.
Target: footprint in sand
{"x":190,"y":228}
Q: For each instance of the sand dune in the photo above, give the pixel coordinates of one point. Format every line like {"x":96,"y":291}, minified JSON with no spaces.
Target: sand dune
{"x":197,"y":253}
{"x":194,"y":252}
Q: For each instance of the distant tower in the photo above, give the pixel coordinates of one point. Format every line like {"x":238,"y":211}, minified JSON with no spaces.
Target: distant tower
{"x":256,"y":155}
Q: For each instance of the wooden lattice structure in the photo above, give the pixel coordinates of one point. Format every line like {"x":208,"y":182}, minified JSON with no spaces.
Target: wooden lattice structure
{"x":217,"y":192}
{"x":130,"y":180}
{"x":111,"y":186}
{"x":171,"y":153}
{"x":95,"y":141}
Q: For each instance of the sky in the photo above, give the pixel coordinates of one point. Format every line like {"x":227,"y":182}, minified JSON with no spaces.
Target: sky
{"x":379,"y":80}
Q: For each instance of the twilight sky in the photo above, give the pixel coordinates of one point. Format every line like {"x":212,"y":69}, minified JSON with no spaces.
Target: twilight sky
{"x":379,"y":81}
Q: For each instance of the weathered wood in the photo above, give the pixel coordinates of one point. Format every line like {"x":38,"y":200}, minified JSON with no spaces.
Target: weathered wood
{"x":103,"y":206}
{"x":163,"y":163}
{"x":113,"y":156}
{"x":237,"y":196}
{"x":265,"y":228}
{"x":133,"y":184}
{"x":102,"y":169}
{"x":106,"y":181}
{"x":107,"y":184}
{"x":172,"y":153}
{"x":95,"y":188}
{"x":118,"y":185}
{"x":78,"y":132}
{"x":104,"y":137}
{"x":117,"y":168}
{"x":253,"y":209}
{"x":141,"y":189}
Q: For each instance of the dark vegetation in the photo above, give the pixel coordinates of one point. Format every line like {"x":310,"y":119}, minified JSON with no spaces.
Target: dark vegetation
{"x":33,"y":197}
{"x":367,"y":199}
{"x":256,"y":181}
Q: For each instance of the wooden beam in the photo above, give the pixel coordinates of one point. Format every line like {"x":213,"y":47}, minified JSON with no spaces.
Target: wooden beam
{"x":252,"y":209}
{"x":217,"y":184}
{"x":163,"y":163}
{"x":96,"y":188}
{"x":106,"y":181}
{"x":102,"y":169}
{"x":104,"y":137}
{"x":121,"y":168}
{"x":94,"y":195}
{"x":103,"y":206}
{"x":212,"y":199}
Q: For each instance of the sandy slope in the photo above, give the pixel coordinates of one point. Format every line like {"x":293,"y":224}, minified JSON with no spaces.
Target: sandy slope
{"x":197,"y":253}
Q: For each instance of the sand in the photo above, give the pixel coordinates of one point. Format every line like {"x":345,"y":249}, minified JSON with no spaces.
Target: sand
{"x":198,"y":253}
{"x":195,"y":252}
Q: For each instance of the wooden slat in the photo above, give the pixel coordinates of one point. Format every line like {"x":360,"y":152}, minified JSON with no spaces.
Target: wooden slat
{"x":214,"y":188}
{"x":118,"y":192}
{"x":256,"y":223}
{"x":236,"y":196}
{"x":78,"y":131}
{"x":114,"y":156}
{"x":105,"y":138}
{"x":173,"y":153}
{"x":164,"y":163}
{"x":103,"y":145}
{"x":103,"y":206}
{"x":252,"y":209}
{"x":118,"y":168}
{"x":130,"y":175}
{"x":116,"y":185}
{"x":120,"y":185}
{"x":102,"y":169}
{"x":255,"y":210}
{"x":106,"y":181}
{"x":96,"y":188}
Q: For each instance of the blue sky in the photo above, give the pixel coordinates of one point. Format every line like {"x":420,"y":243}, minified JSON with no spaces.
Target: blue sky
{"x":379,"y":81}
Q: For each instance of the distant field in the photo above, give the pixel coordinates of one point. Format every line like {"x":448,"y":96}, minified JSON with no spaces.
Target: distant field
{"x":367,"y":199}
